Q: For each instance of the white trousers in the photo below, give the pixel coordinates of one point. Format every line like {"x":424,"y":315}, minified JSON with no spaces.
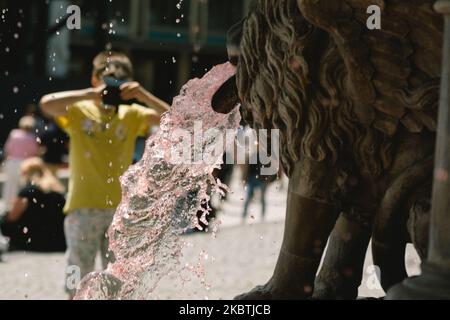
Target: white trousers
{"x":11,"y":168}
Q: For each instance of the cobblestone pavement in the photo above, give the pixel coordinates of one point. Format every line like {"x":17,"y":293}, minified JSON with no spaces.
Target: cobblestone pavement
{"x":239,"y":258}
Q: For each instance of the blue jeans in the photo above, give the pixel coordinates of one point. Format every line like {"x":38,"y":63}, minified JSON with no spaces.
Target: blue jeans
{"x":253,"y":184}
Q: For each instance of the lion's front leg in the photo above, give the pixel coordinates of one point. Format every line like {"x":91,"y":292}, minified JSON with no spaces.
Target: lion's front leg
{"x":342,"y":268}
{"x":309,"y":221}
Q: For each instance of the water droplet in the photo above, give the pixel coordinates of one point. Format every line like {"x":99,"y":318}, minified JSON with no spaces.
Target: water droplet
{"x":158,"y":193}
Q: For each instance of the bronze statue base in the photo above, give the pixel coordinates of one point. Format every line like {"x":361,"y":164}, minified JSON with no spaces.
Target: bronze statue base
{"x":432,"y":284}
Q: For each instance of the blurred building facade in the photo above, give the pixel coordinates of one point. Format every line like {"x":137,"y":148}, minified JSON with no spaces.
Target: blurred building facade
{"x":169,"y":41}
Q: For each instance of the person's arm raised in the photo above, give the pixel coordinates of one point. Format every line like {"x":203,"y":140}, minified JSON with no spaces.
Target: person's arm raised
{"x":56,"y":104}
{"x":19,"y":205}
{"x":133,"y":90}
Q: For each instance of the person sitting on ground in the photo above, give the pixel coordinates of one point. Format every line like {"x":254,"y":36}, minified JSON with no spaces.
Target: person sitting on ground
{"x":20,"y":145}
{"x":36,"y":220}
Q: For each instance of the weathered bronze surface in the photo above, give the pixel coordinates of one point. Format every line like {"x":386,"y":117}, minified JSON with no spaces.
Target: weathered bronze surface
{"x":357,"y":111}
{"x":434,"y":282}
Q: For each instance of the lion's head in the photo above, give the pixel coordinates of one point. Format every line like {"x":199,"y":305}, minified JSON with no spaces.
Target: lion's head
{"x":291,"y":77}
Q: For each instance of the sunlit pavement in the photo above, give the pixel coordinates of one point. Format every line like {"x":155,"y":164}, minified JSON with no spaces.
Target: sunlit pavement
{"x":240,"y":257}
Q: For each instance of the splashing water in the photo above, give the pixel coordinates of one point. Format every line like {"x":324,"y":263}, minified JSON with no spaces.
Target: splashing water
{"x":160,"y":200}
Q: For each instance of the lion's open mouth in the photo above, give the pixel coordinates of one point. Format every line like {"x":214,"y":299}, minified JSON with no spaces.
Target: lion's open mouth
{"x":226,"y":98}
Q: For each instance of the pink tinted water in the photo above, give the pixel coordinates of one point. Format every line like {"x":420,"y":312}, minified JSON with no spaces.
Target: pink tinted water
{"x":160,"y":200}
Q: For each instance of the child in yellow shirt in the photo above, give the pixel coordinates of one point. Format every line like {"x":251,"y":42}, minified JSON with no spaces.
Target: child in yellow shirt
{"x":102,"y":140}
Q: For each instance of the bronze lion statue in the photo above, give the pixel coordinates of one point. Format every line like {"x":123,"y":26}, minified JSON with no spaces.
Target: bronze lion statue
{"x":356,"y":109}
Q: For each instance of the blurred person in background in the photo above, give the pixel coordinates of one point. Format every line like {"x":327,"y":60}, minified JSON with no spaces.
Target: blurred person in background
{"x":251,"y":174}
{"x":53,"y":140}
{"x":255,"y":181}
{"x":36,"y":220}
{"x":102,"y":140}
{"x":54,"y":143}
{"x":20,"y":145}
{"x":39,"y":122}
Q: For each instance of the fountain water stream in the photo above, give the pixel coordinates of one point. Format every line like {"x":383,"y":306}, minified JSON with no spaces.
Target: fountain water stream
{"x":160,"y":199}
